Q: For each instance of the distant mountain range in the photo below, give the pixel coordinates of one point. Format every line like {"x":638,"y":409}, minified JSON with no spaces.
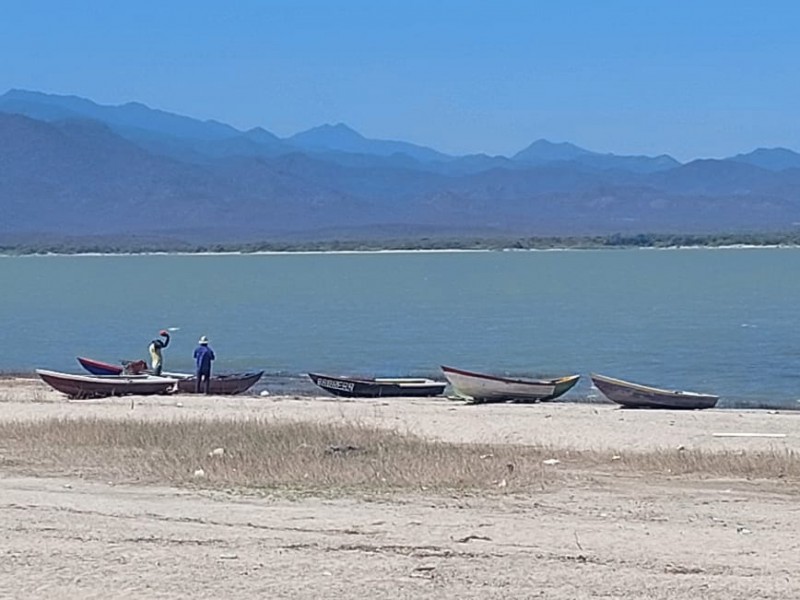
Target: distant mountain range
{"x":69,"y":166}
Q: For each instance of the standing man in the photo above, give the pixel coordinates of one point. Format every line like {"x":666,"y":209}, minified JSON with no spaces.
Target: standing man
{"x":203,"y":355}
{"x":156,"y":357}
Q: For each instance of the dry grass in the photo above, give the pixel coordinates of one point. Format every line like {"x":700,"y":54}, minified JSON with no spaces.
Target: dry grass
{"x":5,"y":375}
{"x":316,"y":457}
{"x":257,"y":454}
{"x":11,"y":385}
{"x":740,"y":464}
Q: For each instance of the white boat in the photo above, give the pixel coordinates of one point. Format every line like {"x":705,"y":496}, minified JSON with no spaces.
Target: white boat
{"x":100,"y":386}
{"x":480,"y":387}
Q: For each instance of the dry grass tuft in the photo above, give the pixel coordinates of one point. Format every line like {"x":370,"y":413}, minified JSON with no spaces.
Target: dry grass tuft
{"x":38,"y":391}
{"x":736,"y":464}
{"x":319,"y":457}
{"x":261,"y":454}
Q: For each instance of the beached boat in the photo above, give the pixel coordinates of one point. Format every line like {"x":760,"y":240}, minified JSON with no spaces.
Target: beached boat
{"x":480,"y":387}
{"x":356,"y":387}
{"x":225,"y":384}
{"x":634,"y":395}
{"x":100,"y":386}
{"x":228,"y":384}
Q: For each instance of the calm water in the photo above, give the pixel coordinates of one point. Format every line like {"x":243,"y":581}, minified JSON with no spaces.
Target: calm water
{"x":723,"y":321}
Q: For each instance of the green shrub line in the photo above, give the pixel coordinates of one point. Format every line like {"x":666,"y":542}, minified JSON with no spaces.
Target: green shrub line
{"x":617,"y":240}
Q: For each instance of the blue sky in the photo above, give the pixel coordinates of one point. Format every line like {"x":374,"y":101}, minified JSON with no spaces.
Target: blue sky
{"x":692,"y":79}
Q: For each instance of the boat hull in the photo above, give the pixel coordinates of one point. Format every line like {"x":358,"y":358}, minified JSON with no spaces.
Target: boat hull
{"x":350,"y":387}
{"x":94,"y":386}
{"x":480,"y":387}
{"x":634,"y":395}
{"x":222,"y":385}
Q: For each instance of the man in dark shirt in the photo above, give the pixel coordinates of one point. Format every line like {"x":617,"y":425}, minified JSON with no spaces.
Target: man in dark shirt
{"x":156,"y":356}
{"x":203,"y":355}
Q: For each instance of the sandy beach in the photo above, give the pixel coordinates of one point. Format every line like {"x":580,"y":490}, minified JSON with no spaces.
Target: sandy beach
{"x":598,"y":532}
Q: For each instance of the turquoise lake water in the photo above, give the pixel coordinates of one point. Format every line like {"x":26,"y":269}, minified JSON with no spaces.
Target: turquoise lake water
{"x":724,"y":321}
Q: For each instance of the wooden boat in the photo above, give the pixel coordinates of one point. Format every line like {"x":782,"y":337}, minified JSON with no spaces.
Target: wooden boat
{"x":228,"y":384}
{"x":480,"y":387}
{"x":634,"y":395}
{"x":100,"y":386}
{"x":98,"y":367}
{"x":355,"y":387}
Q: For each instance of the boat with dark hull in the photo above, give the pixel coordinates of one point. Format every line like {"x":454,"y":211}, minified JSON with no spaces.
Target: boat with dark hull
{"x":229,"y":384}
{"x":101,"y":386}
{"x":226,"y":384}
{"x":386,"y":387}
{"x":635,"y":395}
{"x":481,"y":387}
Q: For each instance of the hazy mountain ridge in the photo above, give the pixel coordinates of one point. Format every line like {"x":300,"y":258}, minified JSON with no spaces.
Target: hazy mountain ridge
{"x":773,"y":159}
{"x":69,"y":165}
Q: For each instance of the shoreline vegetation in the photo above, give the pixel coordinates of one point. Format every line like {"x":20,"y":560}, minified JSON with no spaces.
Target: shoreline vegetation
{"x":133,"y":245}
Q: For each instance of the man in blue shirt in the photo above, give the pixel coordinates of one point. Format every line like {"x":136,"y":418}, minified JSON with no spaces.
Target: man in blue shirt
{"x":203,"y":355}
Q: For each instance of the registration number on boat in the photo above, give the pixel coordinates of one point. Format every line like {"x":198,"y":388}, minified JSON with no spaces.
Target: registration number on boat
{"x":345,"y":386}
